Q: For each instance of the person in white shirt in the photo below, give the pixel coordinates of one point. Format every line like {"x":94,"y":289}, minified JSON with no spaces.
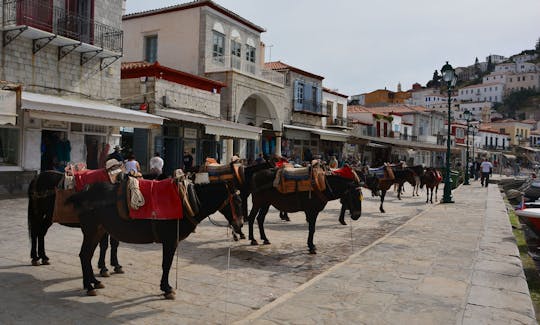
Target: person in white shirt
{"x":485,"y":169}
{"x":156,"y":164}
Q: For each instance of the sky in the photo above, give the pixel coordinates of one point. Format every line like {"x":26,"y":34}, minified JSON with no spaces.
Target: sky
{"x":363,"y":45}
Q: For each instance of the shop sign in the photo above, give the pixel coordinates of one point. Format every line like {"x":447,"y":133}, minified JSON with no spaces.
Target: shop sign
{"x":190,"y":133}
{"x":50,"y":124}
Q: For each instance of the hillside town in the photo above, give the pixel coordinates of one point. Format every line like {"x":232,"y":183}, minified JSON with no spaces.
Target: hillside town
{"x":80,"y":82}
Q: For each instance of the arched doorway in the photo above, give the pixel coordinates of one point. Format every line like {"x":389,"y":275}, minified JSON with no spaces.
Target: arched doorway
{"x":258,"y":110}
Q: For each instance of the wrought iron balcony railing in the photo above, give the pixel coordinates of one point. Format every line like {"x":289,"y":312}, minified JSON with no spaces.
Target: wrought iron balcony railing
{"x":40,"y":15}
{"x":307,"y":106}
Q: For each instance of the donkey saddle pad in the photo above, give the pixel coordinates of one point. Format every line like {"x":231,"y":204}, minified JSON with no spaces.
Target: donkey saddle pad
{"x":162,"y":201}
{"x":89,"y":176}
{"x":382,"y":173}
{"x":219,"y":173}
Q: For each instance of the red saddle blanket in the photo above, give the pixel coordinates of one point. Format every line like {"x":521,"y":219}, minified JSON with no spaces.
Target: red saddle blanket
{"x":89,"y":176}
{"x":161,"y":201}
{"x":345,"y":172}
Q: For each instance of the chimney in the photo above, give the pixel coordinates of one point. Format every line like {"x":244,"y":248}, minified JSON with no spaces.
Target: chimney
{"x":262,"y":50}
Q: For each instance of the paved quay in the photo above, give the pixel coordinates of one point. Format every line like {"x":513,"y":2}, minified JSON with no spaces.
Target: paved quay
{"x":416,"y":264}
{"x":452,"y":264}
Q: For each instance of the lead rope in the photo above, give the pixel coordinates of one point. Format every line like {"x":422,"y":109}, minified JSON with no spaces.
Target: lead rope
{"x":177,"y":249}
{"x":352,"y":239}
{"x":227,"y":275}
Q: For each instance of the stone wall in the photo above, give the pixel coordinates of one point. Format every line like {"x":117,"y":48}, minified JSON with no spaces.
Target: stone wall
{"x":44,"y":73}
{"x":188,"y":98}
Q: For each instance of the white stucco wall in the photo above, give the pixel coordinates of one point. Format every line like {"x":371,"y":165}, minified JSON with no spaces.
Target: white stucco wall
{"x":178,"y":38}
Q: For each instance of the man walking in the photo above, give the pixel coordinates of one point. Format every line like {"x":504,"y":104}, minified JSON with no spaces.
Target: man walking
{"x":485,"y":168}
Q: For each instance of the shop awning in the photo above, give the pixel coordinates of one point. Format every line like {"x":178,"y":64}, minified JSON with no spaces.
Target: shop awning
{"x":214,"y":125}
{"x":530,"y":149}
{"x":85,"y":111}
{"x":508,"y":156}
{"x":323,"y":134}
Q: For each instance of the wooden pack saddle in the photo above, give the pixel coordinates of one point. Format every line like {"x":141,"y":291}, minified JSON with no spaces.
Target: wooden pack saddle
{"x":304,"y":179}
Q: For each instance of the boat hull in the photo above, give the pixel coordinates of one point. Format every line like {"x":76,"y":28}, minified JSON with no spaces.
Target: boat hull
{"x":532,"y":218}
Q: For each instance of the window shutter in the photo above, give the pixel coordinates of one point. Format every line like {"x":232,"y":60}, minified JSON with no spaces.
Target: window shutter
{"x":296,"y":100}
{"x":317,"y":102}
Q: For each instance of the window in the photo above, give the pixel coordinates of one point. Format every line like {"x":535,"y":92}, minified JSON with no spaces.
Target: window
{"x":218,"y":47}
{"x":298,"y":95}
{"x":236,"y":48}
{"x":9,"y":146}
{"x":236,"y":53}
{"x":340,"y":110}
{"x":150,"y":48}
{"x":250,"y":53}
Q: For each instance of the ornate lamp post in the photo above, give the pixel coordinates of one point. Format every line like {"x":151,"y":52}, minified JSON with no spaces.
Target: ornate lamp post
{"x":449,"y":76}
{"x":467,"y":115}
{"x":474,"y":132}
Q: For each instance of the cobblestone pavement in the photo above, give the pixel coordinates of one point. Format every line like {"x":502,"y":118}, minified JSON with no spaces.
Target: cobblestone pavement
{"x":212,"y":289}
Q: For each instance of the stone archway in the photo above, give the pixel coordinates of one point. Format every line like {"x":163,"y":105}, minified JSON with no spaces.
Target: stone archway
{"x":258,"y":110}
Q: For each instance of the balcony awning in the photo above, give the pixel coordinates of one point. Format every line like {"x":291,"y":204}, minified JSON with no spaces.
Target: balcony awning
{"x":214,"y":125}
{"x":85,"y":111}
{"x":324,"y":134}
{"x":508,"y":156}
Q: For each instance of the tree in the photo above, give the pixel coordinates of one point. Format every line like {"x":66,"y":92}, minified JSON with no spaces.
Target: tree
{"x":435,"y":80}
{"x":537,"y":47}
{"x":490,"y":65}
{"x":477,"y":70}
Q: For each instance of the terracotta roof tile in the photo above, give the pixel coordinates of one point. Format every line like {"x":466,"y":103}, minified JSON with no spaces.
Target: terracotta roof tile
{"x":278,"y":65}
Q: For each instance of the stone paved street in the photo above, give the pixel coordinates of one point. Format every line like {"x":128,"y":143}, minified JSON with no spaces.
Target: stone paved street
{"x":394,"y":279}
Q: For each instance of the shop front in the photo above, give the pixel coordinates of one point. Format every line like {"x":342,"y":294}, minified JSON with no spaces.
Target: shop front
{"x":58,"y":130}
{"x":202,"y":136}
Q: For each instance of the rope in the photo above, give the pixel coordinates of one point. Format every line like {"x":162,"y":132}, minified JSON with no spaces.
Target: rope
{"x":352,"y":239}
{"x":227,"y":276}
{"x":177,"y":250}
{"x":137,"y":200}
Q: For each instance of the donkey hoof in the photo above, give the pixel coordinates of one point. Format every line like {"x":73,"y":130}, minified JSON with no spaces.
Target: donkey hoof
{"x":91,"y":292}
{"x":35,"y":263}
{"x":45,"y":262}
{"x":342,"y":222}
{"x":312,"y":251}
{"x":254,"y":242}
{"x":266,"y":242}
{"x":235,"y":238}
{"x":242,"y":236}
{"x":118,"y":270}
{"x":104,"y":273}
{"x":170,"y":295}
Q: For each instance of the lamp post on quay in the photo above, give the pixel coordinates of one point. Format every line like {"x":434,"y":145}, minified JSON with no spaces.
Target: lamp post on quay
{"x":449,"y":76}
{"x":467,"y":115}
{"x":474,"y":132}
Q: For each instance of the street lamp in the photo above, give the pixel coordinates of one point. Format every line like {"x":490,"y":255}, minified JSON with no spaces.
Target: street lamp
{"x":448,"y":75}
{"x":467,"y":115}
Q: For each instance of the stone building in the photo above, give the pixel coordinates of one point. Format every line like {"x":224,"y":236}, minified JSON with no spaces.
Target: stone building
{"x":64,"y":55}
{"x":305,"y":114}
{"x":191,"y":105}
{"x":208,"y":40}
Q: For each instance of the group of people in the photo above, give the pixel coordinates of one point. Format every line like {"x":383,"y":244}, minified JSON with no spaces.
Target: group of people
{"x":482,"y":170}
{"x":132,"y":166}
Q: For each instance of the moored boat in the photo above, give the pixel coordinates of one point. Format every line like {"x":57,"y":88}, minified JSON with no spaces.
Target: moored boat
{"x":531,"y":217}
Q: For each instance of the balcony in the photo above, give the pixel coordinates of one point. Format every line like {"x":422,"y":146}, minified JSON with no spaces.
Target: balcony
{"x":337,"y":122}
{"x":308,"y":106}
{"x":51,"y":25}
{"x":408,"y":137}
{"x":232,"y":62}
